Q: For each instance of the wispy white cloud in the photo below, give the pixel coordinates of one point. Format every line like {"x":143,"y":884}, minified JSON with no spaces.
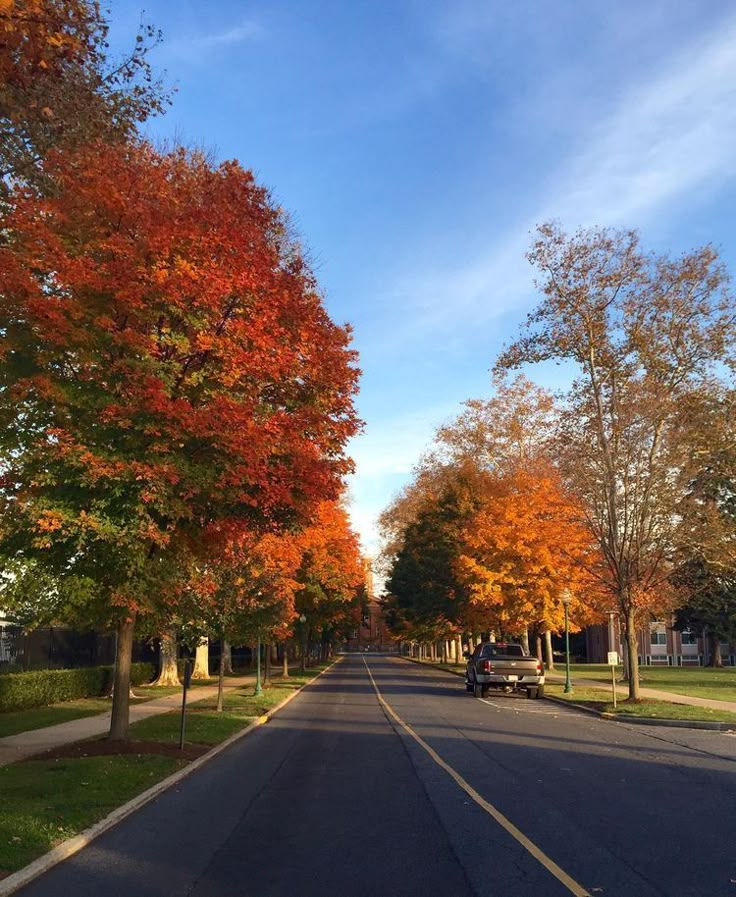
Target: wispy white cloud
{"x":653,"y":144}
{"x":664,"y":139}
{"x":195,"y":47}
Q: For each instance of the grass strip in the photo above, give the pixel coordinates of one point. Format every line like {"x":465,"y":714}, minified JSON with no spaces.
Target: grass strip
{"x":698,"y":682}
{"x":46,"y":801}
{"x":598,"y":699}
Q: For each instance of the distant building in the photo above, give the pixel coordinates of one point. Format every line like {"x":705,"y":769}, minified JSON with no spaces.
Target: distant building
{"x":659,"y":645}
{"x":371,"y":634}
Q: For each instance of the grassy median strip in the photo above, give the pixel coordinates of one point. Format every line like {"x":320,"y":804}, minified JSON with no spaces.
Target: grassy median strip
{"x":600,"y":699}
{"x":52,"y":798}
{"x":47,"y":801}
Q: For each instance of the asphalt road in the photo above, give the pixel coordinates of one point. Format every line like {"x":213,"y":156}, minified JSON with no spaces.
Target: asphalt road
{"x":431,"y":793}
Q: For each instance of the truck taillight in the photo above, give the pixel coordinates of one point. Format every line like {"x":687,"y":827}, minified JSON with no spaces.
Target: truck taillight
{"x":539,"y":667}
{"x":487,"y":666}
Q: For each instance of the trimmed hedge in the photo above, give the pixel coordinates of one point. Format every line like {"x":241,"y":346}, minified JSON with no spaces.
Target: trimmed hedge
{"x":38,"y":688}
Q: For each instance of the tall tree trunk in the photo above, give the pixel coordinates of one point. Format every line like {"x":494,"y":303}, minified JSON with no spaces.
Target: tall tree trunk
{"x":221,"y":677}
{"x":458,"y":649}
{"x":228,"y":658}
{"x":538,"y":647}
{"x":169,"y":672}
{"x":202,"y":660}
{"x":524,"y":639}
{"x":714,"y":643}
{"x":633,"y":652}
{"x":285,"y":661}
{"x":549,"y":660}
{"x":121,"y":684}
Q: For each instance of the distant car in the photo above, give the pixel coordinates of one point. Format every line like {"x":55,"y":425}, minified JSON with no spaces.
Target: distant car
{"x":503,"y":666}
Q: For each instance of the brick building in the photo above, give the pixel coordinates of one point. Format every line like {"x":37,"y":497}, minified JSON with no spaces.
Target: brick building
{"x":659,"y":645}
{"x":371,"y":633}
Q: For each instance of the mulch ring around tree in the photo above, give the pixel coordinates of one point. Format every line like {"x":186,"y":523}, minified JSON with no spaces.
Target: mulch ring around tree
{"x":104,"y":748}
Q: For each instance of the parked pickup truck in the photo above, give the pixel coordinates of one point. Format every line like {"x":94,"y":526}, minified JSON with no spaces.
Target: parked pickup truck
{"x":503,"y":666}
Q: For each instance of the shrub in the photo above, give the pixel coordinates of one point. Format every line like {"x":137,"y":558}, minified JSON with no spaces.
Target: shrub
{"x":20,"y":691}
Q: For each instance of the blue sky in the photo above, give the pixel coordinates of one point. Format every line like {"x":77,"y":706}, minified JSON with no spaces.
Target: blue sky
{"x":417,"y":144}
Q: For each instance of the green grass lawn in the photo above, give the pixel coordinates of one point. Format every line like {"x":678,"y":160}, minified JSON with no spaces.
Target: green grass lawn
{"x":599,"y":699}
{"x":699,"y":682}
{"x":47,"y":801}
{"x":161,"y":691}
{"x":204,"y":725}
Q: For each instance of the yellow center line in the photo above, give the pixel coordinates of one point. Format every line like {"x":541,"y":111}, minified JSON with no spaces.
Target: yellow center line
{"x":572,"y":886}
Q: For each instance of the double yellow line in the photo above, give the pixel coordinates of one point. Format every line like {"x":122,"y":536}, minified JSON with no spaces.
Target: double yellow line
{"x":572,"y":886}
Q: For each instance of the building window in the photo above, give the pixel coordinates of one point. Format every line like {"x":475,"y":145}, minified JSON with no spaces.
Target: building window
{"x":657,"y":634}
{"x":689,"y":637}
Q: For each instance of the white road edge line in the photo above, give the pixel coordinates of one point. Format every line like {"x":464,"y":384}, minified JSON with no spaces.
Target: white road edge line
{"x":549,"y":864}
{"x":66,"y":849}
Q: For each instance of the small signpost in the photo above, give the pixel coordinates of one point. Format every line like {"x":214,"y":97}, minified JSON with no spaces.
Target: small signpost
{"x":187,"y":683}
{"x":612,"y":662}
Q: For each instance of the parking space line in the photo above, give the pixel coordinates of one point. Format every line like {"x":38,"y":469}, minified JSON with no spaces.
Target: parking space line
{"x":549,"y":864}
{"x":536,"y":710}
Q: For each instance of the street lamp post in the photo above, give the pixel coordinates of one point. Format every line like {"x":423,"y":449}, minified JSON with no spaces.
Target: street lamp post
{"x":303,"y":621}
{"x":259,"y":687}
{"x":566,"y":604}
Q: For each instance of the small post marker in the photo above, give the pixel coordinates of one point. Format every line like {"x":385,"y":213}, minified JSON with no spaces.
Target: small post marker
{"x":187,"y":683}
{"x":612,"y":661}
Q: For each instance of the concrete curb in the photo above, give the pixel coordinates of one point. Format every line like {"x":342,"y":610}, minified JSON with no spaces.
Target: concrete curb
{"x":612,"y":717}
{"x":68,"y":848}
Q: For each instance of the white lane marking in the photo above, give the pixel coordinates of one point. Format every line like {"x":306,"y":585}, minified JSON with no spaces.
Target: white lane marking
{"x":523,"y":709}
{"x":549,"y":864}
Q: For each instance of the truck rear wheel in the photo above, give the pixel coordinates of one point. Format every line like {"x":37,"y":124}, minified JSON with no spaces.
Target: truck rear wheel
{"x":477,"y":689}
{"x":532,"y":692}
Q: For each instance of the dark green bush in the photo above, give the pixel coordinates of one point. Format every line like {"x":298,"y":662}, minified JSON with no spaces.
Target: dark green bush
{"x":20,"y":691}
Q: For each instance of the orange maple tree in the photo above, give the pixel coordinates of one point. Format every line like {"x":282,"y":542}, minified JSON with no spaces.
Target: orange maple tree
{"x":525,"y":545}
{"x":331,"y":572}
{"x":167,"y":363}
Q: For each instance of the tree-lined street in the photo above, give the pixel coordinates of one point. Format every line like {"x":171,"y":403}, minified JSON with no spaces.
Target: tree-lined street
{"x":332,"y":796}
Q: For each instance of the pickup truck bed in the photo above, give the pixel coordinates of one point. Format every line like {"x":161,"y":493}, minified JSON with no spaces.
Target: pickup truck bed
{"x":503,"y":666}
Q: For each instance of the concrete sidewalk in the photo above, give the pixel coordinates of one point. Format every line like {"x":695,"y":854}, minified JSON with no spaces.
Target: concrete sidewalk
{"x":653,"y":693}
{"x":27,"y":744}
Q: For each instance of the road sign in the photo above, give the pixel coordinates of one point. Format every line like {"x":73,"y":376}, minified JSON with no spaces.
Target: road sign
{"x":612,"y":658}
